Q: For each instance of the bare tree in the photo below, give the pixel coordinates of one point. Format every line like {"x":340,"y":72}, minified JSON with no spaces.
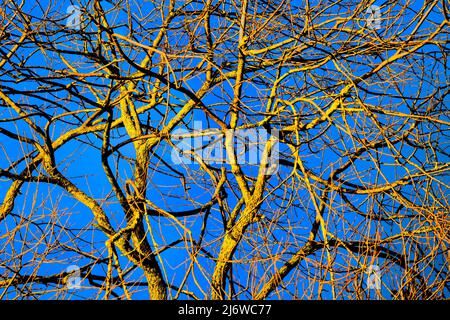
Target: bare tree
{"x":121,"y":175}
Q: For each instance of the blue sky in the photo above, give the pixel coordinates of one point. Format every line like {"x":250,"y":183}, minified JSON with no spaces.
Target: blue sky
{"x":81,"y":162}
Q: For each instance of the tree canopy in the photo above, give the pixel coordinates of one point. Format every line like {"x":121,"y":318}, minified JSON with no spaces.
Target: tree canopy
{"x":121,"y":175}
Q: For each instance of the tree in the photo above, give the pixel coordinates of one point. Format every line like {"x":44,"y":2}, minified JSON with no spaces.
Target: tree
{"x":224,"y":150}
